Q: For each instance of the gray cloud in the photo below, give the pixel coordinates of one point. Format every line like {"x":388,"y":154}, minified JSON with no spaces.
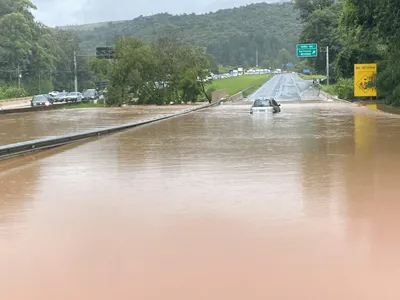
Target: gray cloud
{"x":71,"y":12}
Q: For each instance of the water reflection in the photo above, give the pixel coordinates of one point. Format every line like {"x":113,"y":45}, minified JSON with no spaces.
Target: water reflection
{"x":288,"y":207}
{"x":17,"y":190}
{"x":373,"y":191}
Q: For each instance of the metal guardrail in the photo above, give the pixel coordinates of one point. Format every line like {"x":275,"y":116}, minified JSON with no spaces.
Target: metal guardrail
{"x":11,"y":150}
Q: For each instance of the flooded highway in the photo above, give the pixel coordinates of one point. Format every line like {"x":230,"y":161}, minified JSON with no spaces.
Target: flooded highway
{"x":218,"y":204}
{"x":42,"y":124}
{"x":286,"y":87}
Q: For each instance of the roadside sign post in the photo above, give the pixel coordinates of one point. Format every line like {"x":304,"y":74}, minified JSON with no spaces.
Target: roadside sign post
{"x":327,"y":65}
{"x":307,"y":50}
{"x":363,"y":75}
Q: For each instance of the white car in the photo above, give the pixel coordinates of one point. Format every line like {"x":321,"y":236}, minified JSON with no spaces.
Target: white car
{"x":265,"y":106}
{"x":74,"y":97}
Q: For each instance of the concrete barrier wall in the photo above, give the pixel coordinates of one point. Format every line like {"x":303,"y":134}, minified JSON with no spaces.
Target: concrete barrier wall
{"x":325,"y":96}
{"x":236,"y":97}
{"x":11,"y":150}
{"x":16,"y":99}
{"x":220,"y":94}
{"x":5,"y":111}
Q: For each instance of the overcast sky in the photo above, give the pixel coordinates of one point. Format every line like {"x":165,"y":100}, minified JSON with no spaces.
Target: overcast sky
{"x":71,"y":12}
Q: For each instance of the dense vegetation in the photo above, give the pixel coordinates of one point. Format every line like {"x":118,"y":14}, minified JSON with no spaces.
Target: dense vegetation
{"x":357,"y":32}
{"x":35,"y":58}
{"x":159,"y":72}
{"x":231,"y":36}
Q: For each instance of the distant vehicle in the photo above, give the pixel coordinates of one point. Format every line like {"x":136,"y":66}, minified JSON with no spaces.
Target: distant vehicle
{"x":90,"y":94}
{"x":60,"y":97}
{"x":40,"y":100}
{"x":53,"y":93}
{"x":74,"y":97}
{"x":264,"y":105}
{"x":50,"y":97}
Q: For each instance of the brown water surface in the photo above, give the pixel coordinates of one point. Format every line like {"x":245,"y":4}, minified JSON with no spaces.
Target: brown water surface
{"x":23,"y":127}
{"x":214,"y":205}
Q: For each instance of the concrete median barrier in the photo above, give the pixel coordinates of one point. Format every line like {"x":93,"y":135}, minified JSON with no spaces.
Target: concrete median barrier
{"x":6,"y":110}
{"x":24,"y":99}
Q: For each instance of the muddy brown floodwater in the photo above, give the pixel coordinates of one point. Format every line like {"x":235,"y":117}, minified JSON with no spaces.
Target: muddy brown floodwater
{"x":217,"y":204}
{"x":22,"y":127}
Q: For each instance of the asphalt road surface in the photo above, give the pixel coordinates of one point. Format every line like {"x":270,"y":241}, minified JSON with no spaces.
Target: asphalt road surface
{"x":286,"y":87}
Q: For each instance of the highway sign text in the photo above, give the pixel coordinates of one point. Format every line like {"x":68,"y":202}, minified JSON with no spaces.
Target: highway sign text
{"x":307,"y":50}
{"x":364,"y":75}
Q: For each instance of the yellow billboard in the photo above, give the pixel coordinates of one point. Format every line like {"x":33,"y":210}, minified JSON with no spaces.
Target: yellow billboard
{"x":363,"y":74}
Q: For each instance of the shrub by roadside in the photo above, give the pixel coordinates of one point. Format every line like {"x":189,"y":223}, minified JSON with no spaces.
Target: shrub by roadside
{"x":11,"y":92}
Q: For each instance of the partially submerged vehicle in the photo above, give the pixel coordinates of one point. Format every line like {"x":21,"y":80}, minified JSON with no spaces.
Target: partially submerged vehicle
{"x":264,"y":105}
{"x":40,"y":100}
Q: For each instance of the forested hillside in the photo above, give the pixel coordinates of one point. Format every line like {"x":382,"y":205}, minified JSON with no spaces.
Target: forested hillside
{"x":34,"y":57}
{"x":231,"y":36}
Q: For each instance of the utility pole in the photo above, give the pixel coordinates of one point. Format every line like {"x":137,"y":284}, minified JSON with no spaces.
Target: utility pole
{"x":19,"y":77}
{"x":327,"y":65}
{"x":257,"y":58}
{"x":75,"y":73}
{"x":39,"y":84}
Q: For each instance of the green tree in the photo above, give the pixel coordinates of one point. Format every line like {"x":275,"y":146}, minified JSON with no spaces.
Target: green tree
{"x":158,"y":72}
{"x":39,"y":57}
{"x":308,"y":7}
{"x":320,"y":27}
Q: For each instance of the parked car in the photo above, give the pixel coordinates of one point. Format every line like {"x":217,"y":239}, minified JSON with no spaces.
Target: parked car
{"x":40,"y":100}
{"x":90,"y":94}
{"x":53,"y":93}
{"x":60,"y":97}
{"x":50,"y":97}
{"x":74,"y":97}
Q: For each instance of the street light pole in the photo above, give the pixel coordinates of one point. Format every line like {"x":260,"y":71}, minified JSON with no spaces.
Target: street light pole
{"x":327,"y":65}
{"x":19,"y":78}
{"x":257,"y":58}
{"x":75,"y":73}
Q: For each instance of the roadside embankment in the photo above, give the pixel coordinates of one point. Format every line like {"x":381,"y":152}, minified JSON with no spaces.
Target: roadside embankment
{"x":237,"y":84}
{"x":234,"y":89}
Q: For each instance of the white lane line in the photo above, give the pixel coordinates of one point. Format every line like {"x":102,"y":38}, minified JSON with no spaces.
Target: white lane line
{"x":261,"y":88}
{"x":309,"y":88}
{"x":298,"y":90}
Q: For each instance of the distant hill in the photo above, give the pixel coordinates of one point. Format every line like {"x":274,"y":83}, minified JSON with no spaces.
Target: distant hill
{"x":231,"y":36}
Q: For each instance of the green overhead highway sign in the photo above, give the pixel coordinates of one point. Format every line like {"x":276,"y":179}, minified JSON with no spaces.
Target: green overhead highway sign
{"x":307,"y":50}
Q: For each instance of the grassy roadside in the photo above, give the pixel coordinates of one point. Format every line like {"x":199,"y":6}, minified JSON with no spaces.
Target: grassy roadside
{"x":343,"y":88}
{"x":239,"y":83}
{"x":311,"y":77}
{"x":330,"y":89}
